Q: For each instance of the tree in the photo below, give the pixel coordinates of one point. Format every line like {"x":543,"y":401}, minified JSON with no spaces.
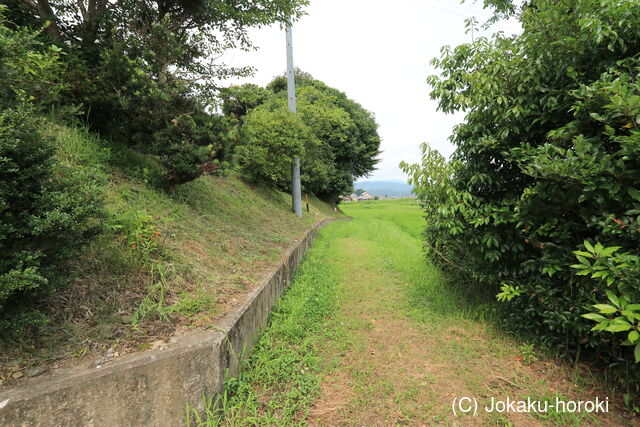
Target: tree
{"x":237,"y":101}
{"x":546,"y":159}
{"x":359,"y":154}
{"x":349,"y":141}
{"x":139,"y":68}
{"x":47,"y":16}
{"x":269,"y":142}
{"x":164,"y":33}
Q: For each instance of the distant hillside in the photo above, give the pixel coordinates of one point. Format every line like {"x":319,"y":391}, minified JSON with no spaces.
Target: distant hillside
{"x":385,"y":188}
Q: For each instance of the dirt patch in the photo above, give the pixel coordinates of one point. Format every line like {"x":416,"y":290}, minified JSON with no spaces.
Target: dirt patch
{"x":336,"y":396}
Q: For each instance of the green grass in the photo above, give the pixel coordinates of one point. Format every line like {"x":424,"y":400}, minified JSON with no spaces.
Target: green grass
{"x":393,"y":229}
{"x":369,"y":332}
{"x":166,"y":259}
{"x":285,"y":362}
{"x":404,"y":214}
{"x":280,"y":380}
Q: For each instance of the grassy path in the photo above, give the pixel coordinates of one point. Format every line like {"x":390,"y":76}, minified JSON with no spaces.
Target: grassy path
{"x":368,"y":334}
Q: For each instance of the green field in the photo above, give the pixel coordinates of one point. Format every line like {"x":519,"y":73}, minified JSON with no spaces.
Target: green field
{"x":370,"y":334}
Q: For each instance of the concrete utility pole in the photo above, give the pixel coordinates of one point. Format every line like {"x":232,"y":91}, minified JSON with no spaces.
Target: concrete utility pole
{"x":296,"y":188}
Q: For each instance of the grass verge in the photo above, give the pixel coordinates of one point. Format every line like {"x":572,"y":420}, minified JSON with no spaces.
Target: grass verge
{"x":280,"y":380}
{"x":397,"y":347}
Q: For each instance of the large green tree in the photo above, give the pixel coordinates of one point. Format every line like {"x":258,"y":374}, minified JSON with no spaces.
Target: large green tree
{"x":359,"y":153}
{"x":347,"y":133}
{"x":547,"y":159}
{"x":165,"y":32}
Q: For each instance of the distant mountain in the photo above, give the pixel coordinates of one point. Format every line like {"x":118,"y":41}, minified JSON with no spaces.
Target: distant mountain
{"x":385,"y":188}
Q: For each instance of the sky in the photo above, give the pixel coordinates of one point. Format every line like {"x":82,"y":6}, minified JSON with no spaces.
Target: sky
{"x":378,"y":53}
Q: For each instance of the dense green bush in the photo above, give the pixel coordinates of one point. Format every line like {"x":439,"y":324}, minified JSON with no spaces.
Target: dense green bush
{"x":47,"y":210}
{"x":618,"y":274}
{"x":346,"y":142}
{"x":163,"y":120}
{"x":269,"y":142}
{"x":185,"y":147}
{"x":547,"y":159}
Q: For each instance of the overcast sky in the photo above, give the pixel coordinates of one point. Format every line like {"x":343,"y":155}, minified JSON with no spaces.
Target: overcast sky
{"x":378,"y":53}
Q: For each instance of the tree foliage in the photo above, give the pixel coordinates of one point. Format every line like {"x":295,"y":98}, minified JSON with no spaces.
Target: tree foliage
{"x":360,"y":153}
{"x":138,"y":67}
{"x":270,"y":140}
{"x":30,"y":71}
{"x":345,"y":141}
{"x":547,"y":162}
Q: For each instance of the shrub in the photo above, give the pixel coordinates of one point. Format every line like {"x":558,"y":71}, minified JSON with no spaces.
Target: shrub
{"x":358,"y":154}
{"x":48,"y":209}
{"x":184,"y":147}
{"x":546,"y":159}
{"x":618,"y":275}
{"x":47,"y":212}
{"x":163,"y":120}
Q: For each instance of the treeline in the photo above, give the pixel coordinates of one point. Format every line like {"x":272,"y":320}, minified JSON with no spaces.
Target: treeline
{"x":143,"y":74}
{"x":540,"y":203}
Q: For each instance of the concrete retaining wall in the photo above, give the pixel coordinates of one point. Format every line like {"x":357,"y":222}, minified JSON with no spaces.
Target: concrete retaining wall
{"x":153,"y":388}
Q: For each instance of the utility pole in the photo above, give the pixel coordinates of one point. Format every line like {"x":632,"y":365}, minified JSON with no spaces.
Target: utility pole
{"x":296,"y":187}
{"x":473,"y":24}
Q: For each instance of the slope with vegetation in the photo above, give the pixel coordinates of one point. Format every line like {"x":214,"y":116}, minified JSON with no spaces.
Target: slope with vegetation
{"x":160,"y":264}
{"x":370,"y":334}
{"x":540,"y":202}
{"x":131,"y":208}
